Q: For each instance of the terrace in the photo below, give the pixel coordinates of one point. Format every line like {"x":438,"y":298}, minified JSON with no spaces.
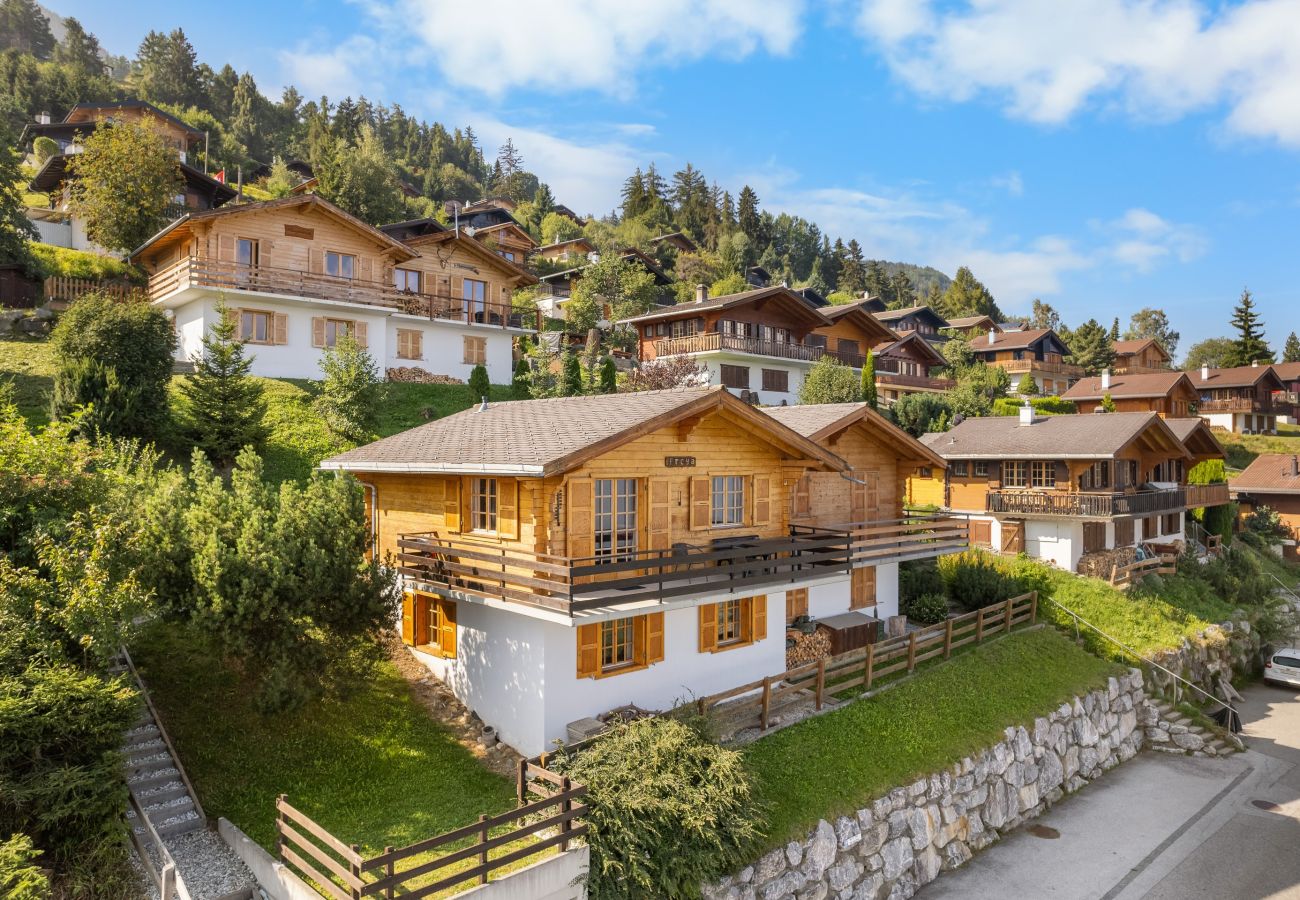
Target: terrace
{"x":717,"y":341}
{"x":1021,"y":366}
{"x":1087,"y":504}
{"x":1246,"y":402}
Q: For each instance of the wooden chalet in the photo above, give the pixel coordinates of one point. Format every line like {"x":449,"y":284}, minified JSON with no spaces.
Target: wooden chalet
{"x":1140,"y":357}
{"x":1272,"y":480}
{"x":920,"y":319}
{"x":1289,"y":374}
{"x":851,"y":334}
{"x":1037,"y":352}
{"x":1169,"y":394}
{"x":573,"y":250}
{"x":1241,"y":399}
{"x":971,"y":327}
{"x":678,"y":240}
{"x":904,"y":366}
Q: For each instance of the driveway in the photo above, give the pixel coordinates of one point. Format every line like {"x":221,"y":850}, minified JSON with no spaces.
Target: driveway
{"x":1164,"y":827}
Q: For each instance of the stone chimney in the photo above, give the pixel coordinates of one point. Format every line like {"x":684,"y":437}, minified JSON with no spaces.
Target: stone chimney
{"x":1105,"y":379}
{"x":1026,"y":414}
{"x":701,"y":293}
{"x":992,"y":335}
{"x":1205,"y":371}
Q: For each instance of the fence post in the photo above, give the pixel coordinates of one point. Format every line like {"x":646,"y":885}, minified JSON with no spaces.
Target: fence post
{"x":355,"y":868}
{"x":979,"y":625}
{"x":1114,"y":573}
{"x":767,"y":701}
{"x":821,"y":680}
{"x":871,"y":666}
{"x":390,"y":870}
{"x":947,"y":638}
{"x":279,"y":823}
{"x":1006,"y":626}
{"x":521,"y":781}
{"x":911,"y":652}
{"x":483,"y":854}
{"x":1033,"y":607}
{"x":566,"y":805}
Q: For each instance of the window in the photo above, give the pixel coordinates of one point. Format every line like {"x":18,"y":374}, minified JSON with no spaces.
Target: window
{"x":246,"y":252}
{"x":255,"y":327}
{"x":483,"y":505}
{"x":1123,"y":533}
{"x":1015,"y":473}
{"x":960,"y":468}
{"x":410,"y":343}
{"x":507,"y":254}
{"x":1096,"y":477}
{"x":816,"y":340}
{"x":649,"y":331}
{"x":336,"y":329}
{"x":473,"y":295}
{"x":341,"y":264}
{"x":429,"y":624}
{"x":982,"y":469}
{"x":727,"y":500}
{"x":733,"y":623}
{"x":1171,"y":523}
{"x":849,"y":348}
{"x":407,"y":280}
{"x":735,"y":376}
{"x":475,"y":351}
{"x":615,"y":518}
{"x":620,"y":645}
{"x":1043,"y":474}
{"x":617,"y":644}
{"x":776,"y":380}
{"x":729,"y":623}
{"x":683,"y":327}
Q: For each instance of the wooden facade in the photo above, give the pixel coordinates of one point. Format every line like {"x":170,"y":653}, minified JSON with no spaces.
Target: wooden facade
{"x":1039,"y":353}
{"x":1169,"y":395}
{"x":1139,"y":357}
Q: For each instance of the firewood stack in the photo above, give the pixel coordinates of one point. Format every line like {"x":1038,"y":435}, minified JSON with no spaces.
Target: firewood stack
{"x":807,"y":647}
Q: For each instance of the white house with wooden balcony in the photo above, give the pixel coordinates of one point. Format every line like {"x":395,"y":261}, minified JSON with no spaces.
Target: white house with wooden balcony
{"x":565,"y":557}
{"x":299,"y":273}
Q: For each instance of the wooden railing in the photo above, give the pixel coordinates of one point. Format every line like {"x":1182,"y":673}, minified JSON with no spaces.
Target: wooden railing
{"x":448,"y":565}
{"x":199,"y":271}
{"x":1015,"y":366}
{"x":1250,"y":404}
{"x":716,"y":340}
{"x":335,"y":869}
{"x":1124,"y":577}
{"x":155,"y":857}
{"x":862,"y":668}
{"x":1199,"y":495}
{"x":1086,"y":504}
{"x":918,"y":381}
{"x":59,"y":287}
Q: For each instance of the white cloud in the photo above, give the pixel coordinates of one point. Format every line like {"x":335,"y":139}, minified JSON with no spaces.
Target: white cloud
{"x":567,"y":45}
{"x":343,"y":70}
{"x":1151,"y":58}
{"x":1144,"y":239}
{"x":1011,"y":182}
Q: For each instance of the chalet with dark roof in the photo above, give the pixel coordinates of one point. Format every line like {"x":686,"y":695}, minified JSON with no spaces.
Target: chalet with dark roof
{"x":1168,"y":394}
{"x":1243,"y":400}
{"x":1037,"y":352}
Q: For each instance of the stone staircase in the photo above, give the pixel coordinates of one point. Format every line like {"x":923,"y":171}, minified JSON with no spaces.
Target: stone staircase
{"x":1176,"y":732}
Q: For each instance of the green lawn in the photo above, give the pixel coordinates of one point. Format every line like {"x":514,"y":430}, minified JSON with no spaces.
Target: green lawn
{"x":832,"y":764}
{"x":374,"y":769}
{"x":1243,"y":448}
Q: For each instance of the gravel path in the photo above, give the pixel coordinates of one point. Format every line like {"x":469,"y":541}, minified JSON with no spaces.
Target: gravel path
{"x":208,"y":866}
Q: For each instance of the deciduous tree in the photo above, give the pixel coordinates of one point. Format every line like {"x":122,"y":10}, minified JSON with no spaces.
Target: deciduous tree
{"x":15,"y":228}
{"x":123,"y":181}
{"x":1212,"y":352}
{"x":830,"y":381}
{"x":1152,"y":323}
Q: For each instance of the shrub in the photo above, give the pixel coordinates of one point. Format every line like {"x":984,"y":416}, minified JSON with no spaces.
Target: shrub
{"x":917,"y":578}
{"x":1208,"y":471}
{"x":224,"y":406}
{"x":1265,"y":522}
{"x":519,"y":385}
{"x":1027,"y":386}
{"x":1047,"y":406}
{"x":662,"y":374}
{"x":920,"y":413}
{"x":350,"y":391}
{"x":117,"y":357}
{"x":52,"y":261}
{"x":479,"y":384}
{"x":608,"y":375}
{"x":974,"y":581}
{"x":830,"y":381}
{"x":926,"y":609}
{"x":20,"y":877}
{"x":668,"y":809}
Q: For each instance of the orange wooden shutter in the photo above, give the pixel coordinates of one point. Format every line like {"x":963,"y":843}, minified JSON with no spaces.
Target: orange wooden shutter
{"x":873,"y":494}
{"x":235,"y":316}
{"x":758,"y":617}
{"x":857,"y":501}
{"x":281,"y":328}
{"x":708,"y":627}
{"x":654,"y":638}
{"x":588,"y":650}
{"x":762,"y":499}
{"x":362,"y":331}
{"x":451,"y":504}
{"x":701,"y":512}
{"x":508,"y":508}
{"x":862,"y":587}
{"x":364,"y":268}
{"x":417,"y":344}
{"x":639,"y":656}
{"x":802,"y":502}
{"x":408,"y":619}
{"x":226,"y":248}
{"x":420,"y":611}
{"x":447,"y":628}
{"x":317,"y":332}
{"x":796,"y":604}
{"x":659,"y":526}
{"x":580,"y":534}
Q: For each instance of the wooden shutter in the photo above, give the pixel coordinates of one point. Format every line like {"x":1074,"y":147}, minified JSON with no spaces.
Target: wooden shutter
{"x":701,"y":511}
{"x":639,"y":656}
{"x":758,"y":617}
{"x":416,"y":340}
{"x":316,"y":261}
{"x":796,"y":604}
{"x":801,"y":503}
{"x":588,"y":650}
{"x":708,"y":627}
{"x":873,"y":494}
{"x":654,"y":638}
{"x":581,"y":541}
{"x":318,"y":331}
{"x":857,"y":501}
{"x":451,"y":504}
{"x":862,"y":587}
{"x":281,"y":328}
{"x":762,"y":512}
{"x":361,"y":331}
{"x":364,"y":268}
{"x":659,"y":524}
{"x":420,"y":612}
{"x":508,"y":508}
{"x":408,"y":619}
{"x":447,"y":628}
{"x":226,"y":247}
{"x":235,"y":316}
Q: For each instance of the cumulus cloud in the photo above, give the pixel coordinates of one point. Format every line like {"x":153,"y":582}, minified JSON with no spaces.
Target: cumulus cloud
{"x":1143,"y":239}
{"x":1150,"y":58}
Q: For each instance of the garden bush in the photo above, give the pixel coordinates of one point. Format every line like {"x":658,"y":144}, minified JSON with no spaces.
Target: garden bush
{"x":1265,"y":522}
{"x":669,"y":809}
{"x":1047,"y":406}
{"x":20,"y":876}
{"x":479,"y":384}
{"x":925,"y":609}
{"x":974,"y":581}
{"x":350,"y":391}
{"x":916,"y":578}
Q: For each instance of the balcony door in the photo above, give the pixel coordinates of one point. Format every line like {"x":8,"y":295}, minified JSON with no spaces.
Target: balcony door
{"x":614,"y":524}
{"x":247,"y":257}
{"x":473,"y":296}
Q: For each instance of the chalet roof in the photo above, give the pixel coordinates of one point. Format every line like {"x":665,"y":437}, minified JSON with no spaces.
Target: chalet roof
{"x":856,"y":313}
{"x":812,"y":297}
{"x":893,"y":315}
{"x":1152,"y":384}
{"x":1269,"y":473}
{"x":1287,"y":371}
{"x":562,"y":432}
{"x":578,"y":240}
{"x":1197,"y":437}
{"x":470,"y":245}
{"x":568,"y":213}
{"x":1133,"y":348}
{"x":243,"y":209}
{"x":915,"y":339}
{"x":87,"y":114}
{"x":1015,"y":340}
{"x":411,"y":228}
{"x":512,"y":224}
{"x":55,"y":172}
{"x":1088,"y":436}
{"x":676,"y":237}
{"x":1239,"y":376}
{"x":972,"y":321}
{"x":728,"y":301}
{"x":821,"y":421}
{"x":874,"y":304}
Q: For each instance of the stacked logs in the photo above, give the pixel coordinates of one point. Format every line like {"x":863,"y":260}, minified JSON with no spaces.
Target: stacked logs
{"x":416,"y":375}
{"x":807,"y":647}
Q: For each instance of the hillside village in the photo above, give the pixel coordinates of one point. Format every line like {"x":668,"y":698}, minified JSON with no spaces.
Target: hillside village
{"x":357,"y":494}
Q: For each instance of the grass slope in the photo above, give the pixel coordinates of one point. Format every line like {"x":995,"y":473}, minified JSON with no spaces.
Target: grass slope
{"x":1243,"y":448}
{"x":373,"y":768}
{"x":832,"y":764}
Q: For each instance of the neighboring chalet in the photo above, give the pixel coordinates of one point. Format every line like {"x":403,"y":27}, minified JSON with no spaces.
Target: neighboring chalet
{"x":640,"y":549}
{"x":1038,"y":352}
{"x":1241,"y":399}
{"x":1170,"y":394}
{"x":299,"y":273}
{"x":677,"y":240}
{"x":762,"y":342}
{"x":1141,"y":357}
{"x":1272,"y":480}
{"x":971,"y":327}
{"x":575,"y":251}
{"x":852,"y":333}
{"x":920,"y":319}
{"x":490,"y":222}
{"x":903,"y":366}
{"x":1289,"y":404}
{"x":1197,"y":436}
{"x":1060,"y":487}
{"x":56,"y":224}
{"x":561,"y":284}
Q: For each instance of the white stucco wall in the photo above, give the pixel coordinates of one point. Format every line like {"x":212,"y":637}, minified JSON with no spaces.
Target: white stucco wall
{"x":832,"y":598}
{"x":57,"y":233}
{"x":1059,"y":543}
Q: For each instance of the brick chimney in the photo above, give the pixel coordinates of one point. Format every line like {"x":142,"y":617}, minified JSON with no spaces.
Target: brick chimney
{"x":701,"y":293}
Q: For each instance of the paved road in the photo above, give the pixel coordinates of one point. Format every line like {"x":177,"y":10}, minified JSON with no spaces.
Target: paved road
{"x":1164,"y":827}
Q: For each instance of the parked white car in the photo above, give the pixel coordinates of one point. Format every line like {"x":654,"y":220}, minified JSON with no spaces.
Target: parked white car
{"x":1283,"y":667}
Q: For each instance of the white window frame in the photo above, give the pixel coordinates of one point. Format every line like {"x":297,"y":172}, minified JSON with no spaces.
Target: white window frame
{"x":727,"y":501}
{"x":483,"y":505}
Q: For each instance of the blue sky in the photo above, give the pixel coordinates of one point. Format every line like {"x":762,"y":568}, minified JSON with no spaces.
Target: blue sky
{"x":1101,"y":155}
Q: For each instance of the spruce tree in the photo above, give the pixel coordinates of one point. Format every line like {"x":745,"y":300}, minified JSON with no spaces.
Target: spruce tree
{"x":1027,"y":386}
{"x":519,"y":385}
{"x":1091,"y":347}
{"x":1249,"y":345}
{"x":869,"y":380}
{"x":480,"y":386}
{"x":225,"y":408}
{"x":608,"y":376}
{"x":1114,"y":330}
{"x":1291,"y":352}
{"x":570,"y":375}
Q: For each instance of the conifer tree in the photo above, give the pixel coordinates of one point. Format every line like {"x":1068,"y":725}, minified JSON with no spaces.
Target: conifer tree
{"x":869,"y":380}
{"x":1114,"y":330}
{"x":519,"y":385}
{"x":225,"y":407}
{"x":1249,"y":345}
{"x":479,"y":384}
{"x":608,"y":376}
{"x":570,"y":375}
{"x":1091,"y":347}
{"x":1291,"y":352}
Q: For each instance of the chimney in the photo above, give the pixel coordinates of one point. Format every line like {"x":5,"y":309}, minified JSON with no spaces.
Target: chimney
{"x":991,"y":335}
{"x":1026,"y":414}
{"x":483,"y":405}
{"x":42,"y":118}
{"x":1205,"y":371}
{"x":701,"y":293}
{"x":1254,"y":364}
{"x":1295,"y":467}
{"x":1105,"y":379}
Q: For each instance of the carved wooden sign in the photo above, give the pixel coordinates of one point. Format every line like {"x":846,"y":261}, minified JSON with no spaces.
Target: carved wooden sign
{"x":679,"y":462}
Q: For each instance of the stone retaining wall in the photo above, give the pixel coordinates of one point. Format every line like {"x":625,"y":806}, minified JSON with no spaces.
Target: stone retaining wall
{"x":1207,"y":658}
{"x":904,"y":839}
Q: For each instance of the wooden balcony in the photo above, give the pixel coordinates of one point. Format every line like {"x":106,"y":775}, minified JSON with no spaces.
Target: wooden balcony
{"x":713,"y":341}
{"x":205,"y":272}
{"x":1199,"y":495}
{"x":886,"y":378}
{"x":734,"y":565}
{"x":1080,"y":504}
{"x":1021,"y":366}
{"x":1244,"y":404}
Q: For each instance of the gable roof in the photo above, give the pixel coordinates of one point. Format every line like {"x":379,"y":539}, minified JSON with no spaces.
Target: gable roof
{"x":822,"y":421}
{"x":1287,"y":371}
{"x":915,"y":339}
{"x":84,"y":114}
{"x":964,"y":322}
{"x":1238,"y":376}
{"x":1133,"y":348}
{"x":678,"y":239}
{"x":512,"y":225}
{"x":783,"y":295}
{"x":1017,"y":340}
{"x":891,"y":316}
{"x":55,"y":171}
{"x":1151,"y":384}
{"x":1269,"y":473}
{"x":1197,"y":437}
{"x":562,"y":433}
{"x":478,"y":248}
{"x":1086,"y":436}
{"x":875,"y":330}
{"x":558,"y":244}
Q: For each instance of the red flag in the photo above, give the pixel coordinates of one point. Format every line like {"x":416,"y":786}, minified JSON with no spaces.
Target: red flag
{"x":220,"y":176}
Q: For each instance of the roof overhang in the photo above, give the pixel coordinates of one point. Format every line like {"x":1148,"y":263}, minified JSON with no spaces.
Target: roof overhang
{"x":878,"y":426}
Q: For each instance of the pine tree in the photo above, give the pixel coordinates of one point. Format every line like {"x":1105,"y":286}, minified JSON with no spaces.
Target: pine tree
{"x":1291,"y":352}
{"x":967,"y":296}
{"x":480,"y":386}
{"x":869,"y":380}
{"x":1091,"y":347}
{"x":747,"y":212}
{"x":877,"y":283}
{"x":853,"y":274}
{"x":1250,"y":346}
{"x":608,"y":376}
{"x":570,"y":375}
{"x":168,"y":69}
{"x":634,"y":200}
{"x":1114,"y":330}
{"x":519,"y":385}
{"x":225,"y":407}
{"x":24,"y":27}
{"x":15,"y":228}
{"x":79,"y":49}
{"x":1027,"y":386}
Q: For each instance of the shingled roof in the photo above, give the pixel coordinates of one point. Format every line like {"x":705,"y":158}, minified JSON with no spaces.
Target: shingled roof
{"x":548,"y":437}
{"x":1197,"y":436}
{"x":1088,"y":436}
{"x":778,"y":293}
{"x":1153,"y":384}
{"x":1134,"y":347}
{"x":1270,"y":473}
{"x":820,"y":421}
{"x":1236,"y":377}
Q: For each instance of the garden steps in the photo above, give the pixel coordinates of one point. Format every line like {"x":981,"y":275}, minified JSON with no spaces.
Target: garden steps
{"x":1214,"y":743}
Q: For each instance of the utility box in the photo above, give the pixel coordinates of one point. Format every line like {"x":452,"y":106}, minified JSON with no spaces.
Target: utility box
{"x":850,"y":630}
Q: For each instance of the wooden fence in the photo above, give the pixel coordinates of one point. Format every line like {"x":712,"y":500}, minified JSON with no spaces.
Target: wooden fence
{"x":863,"y":667}
{"x":62,"y":288}
{"x":550,"y":814}
{"x":1124,"y":577}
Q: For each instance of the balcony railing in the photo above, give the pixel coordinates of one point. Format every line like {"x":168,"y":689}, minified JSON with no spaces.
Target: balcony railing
{"x":1250,"y":404}
{"x":1086,"y":504}
{"x":904,"y":380}
{"x":1199,"y":495}
{"x":1019,"y":366}
{"x":448,"y":566}
{"x":198,"y":271}
{"x":716,"y":340}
